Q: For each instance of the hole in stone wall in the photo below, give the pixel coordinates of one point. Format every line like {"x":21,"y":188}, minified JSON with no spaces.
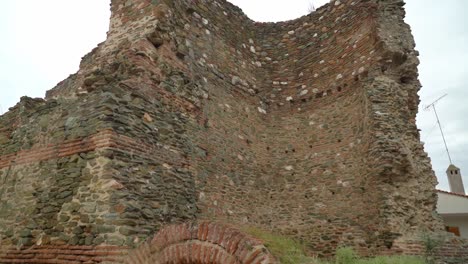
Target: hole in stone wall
{"x":319,"y":95}
{"x":155,"y":39}
{"x":399,"y":58}
{"x":389,"y":244}
{"x":339,"y":140}
{"x":310,"y":146}
{"x":293,"y":150}
{"x":304,"y":100}
{"x":190,"y":11}
{"x":268,"y":148}
{"x":180,"y":55}
{"x":339,"y":89}
{"x":406,"y":79}
{"x":286,"y":151}
{"x":356,"y":78}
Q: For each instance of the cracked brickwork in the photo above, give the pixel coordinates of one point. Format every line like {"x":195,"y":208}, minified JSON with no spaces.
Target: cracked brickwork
{"x":190,"y":111}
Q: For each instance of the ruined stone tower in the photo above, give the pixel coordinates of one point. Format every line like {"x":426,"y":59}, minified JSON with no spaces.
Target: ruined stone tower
{"x":191,"y":121}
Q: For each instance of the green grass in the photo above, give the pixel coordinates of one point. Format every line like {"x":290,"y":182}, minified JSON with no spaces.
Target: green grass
{"x":348,"y":256}
{"x":289,"y":251}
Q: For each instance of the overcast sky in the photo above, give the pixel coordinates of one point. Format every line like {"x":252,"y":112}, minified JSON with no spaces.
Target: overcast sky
{"x":43,"y":42}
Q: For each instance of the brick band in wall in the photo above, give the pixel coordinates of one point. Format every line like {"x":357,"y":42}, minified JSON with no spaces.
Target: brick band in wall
{"x":63,"y":254}
{"x":452,"y":249}
{"x":101,"y":140}
{"x":53,"y":151}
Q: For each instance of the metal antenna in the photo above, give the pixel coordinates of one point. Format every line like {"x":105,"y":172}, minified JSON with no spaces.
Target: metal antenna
{"x":438,"y":122}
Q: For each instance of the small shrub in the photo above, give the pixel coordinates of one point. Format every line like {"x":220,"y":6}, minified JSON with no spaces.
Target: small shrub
{"x":431,"y":243}
{"x":345,"y":255}
{"x":288,"y":251}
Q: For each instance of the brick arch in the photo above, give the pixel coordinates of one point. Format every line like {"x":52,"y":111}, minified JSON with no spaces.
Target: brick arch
{"x":199,"y":243}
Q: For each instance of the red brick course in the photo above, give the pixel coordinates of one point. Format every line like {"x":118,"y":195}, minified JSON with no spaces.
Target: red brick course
{"x":58,"y":150}
{"x":101,"y":140}
{"x":63,"y":254}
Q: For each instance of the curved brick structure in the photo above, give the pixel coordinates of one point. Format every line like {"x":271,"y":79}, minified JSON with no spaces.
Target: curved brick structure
{"x":191,"y":111}
{"x":204,"y":242}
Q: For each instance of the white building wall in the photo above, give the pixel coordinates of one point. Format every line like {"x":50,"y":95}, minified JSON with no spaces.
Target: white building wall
{"x":454,"y":211}
{"x":451,"y":204}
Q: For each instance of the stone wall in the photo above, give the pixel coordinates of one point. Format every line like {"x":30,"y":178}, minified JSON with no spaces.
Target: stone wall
{"x":190,"y":111}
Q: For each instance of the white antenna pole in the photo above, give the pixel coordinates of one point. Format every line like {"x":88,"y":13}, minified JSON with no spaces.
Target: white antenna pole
{"x":440,"y":126}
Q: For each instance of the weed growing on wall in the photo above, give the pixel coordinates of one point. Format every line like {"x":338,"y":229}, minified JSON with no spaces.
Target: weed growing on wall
{"x":289,"y":251}
{"x":431,"y":243}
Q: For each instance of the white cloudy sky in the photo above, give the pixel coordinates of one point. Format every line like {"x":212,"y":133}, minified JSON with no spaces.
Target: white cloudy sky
{"x":42,"y":43}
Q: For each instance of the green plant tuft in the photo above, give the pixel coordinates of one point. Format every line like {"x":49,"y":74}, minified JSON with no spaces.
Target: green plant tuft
{"x":431,"y":242}
{"x":290,"y":251}
{"x":345,"y":255}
